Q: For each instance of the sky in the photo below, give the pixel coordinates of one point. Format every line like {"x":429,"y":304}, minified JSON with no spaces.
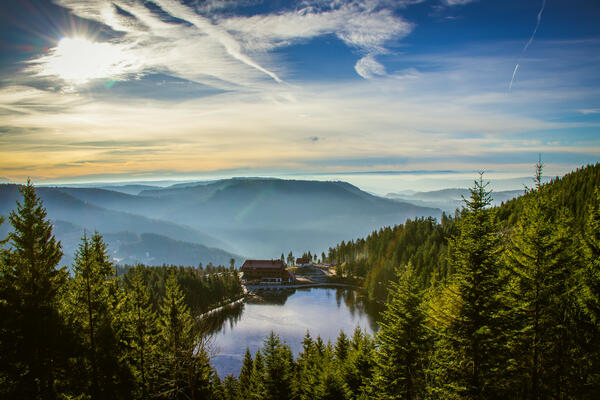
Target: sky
{"x":388,"y":94}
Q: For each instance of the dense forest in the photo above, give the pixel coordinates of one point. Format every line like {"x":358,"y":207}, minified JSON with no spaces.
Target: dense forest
{"x":101,"y":332}
{"x":490,"y":303}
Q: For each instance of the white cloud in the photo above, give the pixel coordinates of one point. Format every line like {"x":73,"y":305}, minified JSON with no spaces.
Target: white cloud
{"x":228,"y":51}
{"x":587,"y":111}
{"x":368,"y":67}
{"x":457,"y":2}
{"x":365,"y":29}
{"x":217,"y":33}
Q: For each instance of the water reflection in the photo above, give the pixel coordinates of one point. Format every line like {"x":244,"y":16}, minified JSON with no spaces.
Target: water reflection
{"x":227,"y":316}
{"x":322,"y":311}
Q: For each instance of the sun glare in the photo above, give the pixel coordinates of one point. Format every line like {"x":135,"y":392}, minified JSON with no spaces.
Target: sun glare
{"x":79,"y":60}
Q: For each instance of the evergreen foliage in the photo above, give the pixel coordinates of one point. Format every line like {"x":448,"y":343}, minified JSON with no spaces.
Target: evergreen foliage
{"x":88,"y":310}
{"x":474,"y":338}
{"x":402,"y":343}
{"x":543,"y":264}
{"x":33,"y":332}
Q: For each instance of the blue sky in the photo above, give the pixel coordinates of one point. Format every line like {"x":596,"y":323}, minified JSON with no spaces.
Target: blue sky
{"x":118,"y":90}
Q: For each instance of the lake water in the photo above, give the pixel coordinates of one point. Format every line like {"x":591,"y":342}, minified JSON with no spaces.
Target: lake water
{"x":321,"y":311}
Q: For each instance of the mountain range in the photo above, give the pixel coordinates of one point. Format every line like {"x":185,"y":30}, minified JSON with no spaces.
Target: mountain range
{"x":215,"y":221}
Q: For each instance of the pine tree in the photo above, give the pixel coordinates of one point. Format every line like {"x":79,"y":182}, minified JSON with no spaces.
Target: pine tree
{"x":89,"y":309}
{"x":258,"y":390}
{"x":590,"y":296}
{"x":277,"y":369}
{"x":231,"y":386}
{"x":32,"y":284}
{"x":177,"y":342}
{"x":542,"y":261}
{"x":245,"y":375}
{"x":402,"y":342}
{"x":140,"y":323}
{"x":308,"y":372}
{"x":342,"y":347}
{"x":474,"y":337}
{"x":358,"y":369}
{"x":591,"y":242}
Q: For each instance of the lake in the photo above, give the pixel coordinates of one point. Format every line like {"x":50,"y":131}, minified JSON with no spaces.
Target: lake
{"x":321,"y":311}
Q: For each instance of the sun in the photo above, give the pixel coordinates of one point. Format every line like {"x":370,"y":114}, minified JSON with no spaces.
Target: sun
{"x":79,"y":60}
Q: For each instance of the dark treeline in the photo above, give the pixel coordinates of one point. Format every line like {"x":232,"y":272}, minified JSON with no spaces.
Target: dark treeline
{"x":93,"y":334}
{"x":423,"y":242}
{"x":483,"y":305}
{"x":204,"y":288}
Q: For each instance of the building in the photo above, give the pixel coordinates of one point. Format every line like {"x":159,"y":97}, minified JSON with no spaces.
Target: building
{"x":265,"y":272}
{"x":302,"y":261}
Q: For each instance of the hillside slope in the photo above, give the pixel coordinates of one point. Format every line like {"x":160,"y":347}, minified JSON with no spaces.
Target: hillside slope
{"x":424,"y":242}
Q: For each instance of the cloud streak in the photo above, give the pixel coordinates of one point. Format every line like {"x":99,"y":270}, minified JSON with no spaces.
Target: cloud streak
{"x":229,"y":51}
{"x":537,"y":25}
{"x":400,"y":116}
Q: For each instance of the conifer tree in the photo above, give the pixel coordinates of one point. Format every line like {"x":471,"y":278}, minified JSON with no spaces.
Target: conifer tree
{"x":140,"y":324}
{"x":177,"y":343}
{"x":403,"y":342}
{"x":308,"y":371}
{"x":32,"y":284}
{"x":89,"y":309}
{"x":474,"y":337}
{"x":591,"y":296}
{"x":358,"y":369}
{"x":203,"y":380}
{"x":245,"y":375}
{"x":277,"y":369}
{"x":543,"y":262}
{"x":342,"y":347}
{"x":258,"y":390}
{"x":231,"y":386}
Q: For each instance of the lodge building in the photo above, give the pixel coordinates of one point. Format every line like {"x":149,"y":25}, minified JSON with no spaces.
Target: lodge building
{"x":265,"y":272}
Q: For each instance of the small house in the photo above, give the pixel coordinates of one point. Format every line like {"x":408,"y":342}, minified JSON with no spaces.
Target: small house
{"x":265,"y":272}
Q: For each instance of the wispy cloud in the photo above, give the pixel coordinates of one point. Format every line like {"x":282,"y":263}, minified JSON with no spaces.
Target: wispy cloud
{"x":231,"y":45}
{"x":537,"y":25}
{"x":226,"y":51}
{"x":587,"y":111}
{"x":361,"y":25}
{"x":368,"y":67}
{"x":457,"y":2}
{"x":398,"y":116}
{"x":513,"y":76}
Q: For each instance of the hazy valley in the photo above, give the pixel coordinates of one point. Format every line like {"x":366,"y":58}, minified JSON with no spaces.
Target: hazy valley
{"x":212,"y":222}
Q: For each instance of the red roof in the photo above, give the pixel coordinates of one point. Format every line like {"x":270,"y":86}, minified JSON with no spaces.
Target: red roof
{"x":263,"y":265}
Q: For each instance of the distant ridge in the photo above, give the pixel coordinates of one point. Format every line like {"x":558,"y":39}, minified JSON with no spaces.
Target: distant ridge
{"x":256,"y":217}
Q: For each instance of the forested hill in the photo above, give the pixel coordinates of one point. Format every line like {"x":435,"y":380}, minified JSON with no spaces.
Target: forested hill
{"x":572,"y":191}
{"x":424,"y":241}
